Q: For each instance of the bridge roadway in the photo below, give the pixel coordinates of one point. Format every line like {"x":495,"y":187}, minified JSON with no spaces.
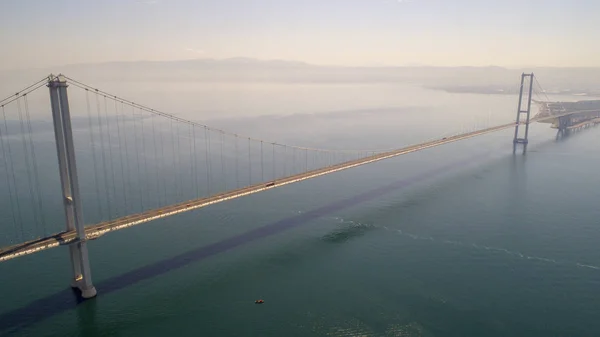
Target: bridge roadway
{"x":550,"y":118}
{"x":94,"y":231}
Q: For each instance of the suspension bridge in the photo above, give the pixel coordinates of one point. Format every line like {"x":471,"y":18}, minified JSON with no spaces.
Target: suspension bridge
{"x":147,"y":164}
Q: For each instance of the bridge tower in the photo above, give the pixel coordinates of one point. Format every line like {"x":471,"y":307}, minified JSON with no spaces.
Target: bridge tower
{"x":82,"y":277}
{"x":523,"y":139}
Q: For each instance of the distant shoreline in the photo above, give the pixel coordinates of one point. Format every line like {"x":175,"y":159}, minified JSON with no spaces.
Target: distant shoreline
{"x":490,"y":90}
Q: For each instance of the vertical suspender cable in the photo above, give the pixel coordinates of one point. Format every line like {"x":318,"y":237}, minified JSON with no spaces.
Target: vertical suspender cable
{"x":249,"y":162}
{"x":164,"y":164}
{"x":175,"y":167}
{"x":179,"y":165}
{"x":126,"y":153}
{"x":146,"y":178}
{"x":306,"y":160}
{"x":121,"y":160}
{"x":223,"y":178}
{"x":8,"y":182}
{"x":208,"y":165}
{"x":195,"y":162}
{"x":262,"y":166}
{"x":156,"y":161}
{"x":237,"y":174}
{"x":103,"y":156}
{"x":137,"y":156}
{"x":36,"y":176}
{"x":92,"y":145}
{"x":28,"y":167}
{"x":192,"y":158}
{"x":112,"y":166}
{"x":293,"y":161}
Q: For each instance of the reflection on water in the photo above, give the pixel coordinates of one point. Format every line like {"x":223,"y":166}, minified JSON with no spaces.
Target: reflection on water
{"x":465,"y":239}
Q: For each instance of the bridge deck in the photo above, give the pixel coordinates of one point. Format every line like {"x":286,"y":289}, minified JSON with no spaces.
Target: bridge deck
{"x":94,"y":231}
{"x":550,"y":119}
{"x":584,"y":123}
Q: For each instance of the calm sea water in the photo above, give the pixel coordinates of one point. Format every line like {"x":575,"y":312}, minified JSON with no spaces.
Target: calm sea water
{"x":460,"y":240}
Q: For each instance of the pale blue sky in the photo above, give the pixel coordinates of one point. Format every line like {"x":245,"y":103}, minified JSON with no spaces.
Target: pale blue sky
{"x":39,"y":33}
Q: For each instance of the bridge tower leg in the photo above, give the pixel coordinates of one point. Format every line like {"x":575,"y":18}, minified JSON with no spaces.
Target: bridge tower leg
{"x":82,"y":277}
{"x":564,"y":123}
{"x":523,"y":140}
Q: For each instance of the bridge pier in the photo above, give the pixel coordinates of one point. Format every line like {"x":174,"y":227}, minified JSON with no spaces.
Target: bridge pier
{"x":517,"y":139}
{"x":78,"y":251}
{"x":564,"y":123}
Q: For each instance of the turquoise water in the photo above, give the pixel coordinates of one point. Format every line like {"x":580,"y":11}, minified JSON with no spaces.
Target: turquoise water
{"x":460,"y":240}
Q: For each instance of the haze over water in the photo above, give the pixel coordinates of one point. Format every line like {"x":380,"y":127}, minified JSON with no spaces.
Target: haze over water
{"x":460,"y":240}
{"x":464,"y":239}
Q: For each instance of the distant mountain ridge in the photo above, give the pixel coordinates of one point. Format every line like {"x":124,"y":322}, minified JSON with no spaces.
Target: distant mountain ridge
{"x":201,"y":61}
{"x":251,"y":70}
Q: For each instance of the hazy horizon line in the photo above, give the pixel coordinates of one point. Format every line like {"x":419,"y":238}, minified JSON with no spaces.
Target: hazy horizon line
{"x":299,"y":63}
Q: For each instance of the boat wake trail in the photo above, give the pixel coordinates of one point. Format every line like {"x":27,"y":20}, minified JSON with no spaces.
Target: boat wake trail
{"x":505,"y":251}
